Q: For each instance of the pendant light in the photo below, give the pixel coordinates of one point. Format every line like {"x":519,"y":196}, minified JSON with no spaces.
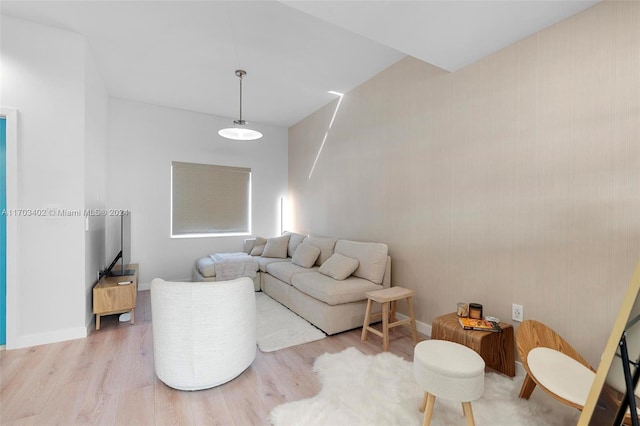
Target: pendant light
{"x":239,"y":131}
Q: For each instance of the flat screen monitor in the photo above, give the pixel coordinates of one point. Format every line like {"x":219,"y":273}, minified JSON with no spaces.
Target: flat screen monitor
{"x":123,"y":247}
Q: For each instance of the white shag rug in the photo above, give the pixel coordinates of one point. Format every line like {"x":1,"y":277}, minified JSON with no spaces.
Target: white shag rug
{"x":360,"y":389}
{"x":279,"y":328}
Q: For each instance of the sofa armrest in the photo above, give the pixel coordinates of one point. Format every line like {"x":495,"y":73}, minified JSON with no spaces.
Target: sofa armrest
{"x":248,"y":244}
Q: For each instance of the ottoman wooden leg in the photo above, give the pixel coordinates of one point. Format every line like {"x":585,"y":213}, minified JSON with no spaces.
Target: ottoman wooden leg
{"x":468,"y":413}
{"x":428,"y":412}
{"x":424,"y":402}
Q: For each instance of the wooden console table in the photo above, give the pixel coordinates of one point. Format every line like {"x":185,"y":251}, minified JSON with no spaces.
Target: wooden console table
{"x":110,"y":298}
{"x":497,"y":349}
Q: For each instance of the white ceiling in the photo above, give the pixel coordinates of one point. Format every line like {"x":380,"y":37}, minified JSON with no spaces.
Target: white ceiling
{"x":183,"y":54}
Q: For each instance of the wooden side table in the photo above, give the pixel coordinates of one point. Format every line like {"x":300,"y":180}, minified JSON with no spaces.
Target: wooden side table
{"x":386,"y":297}
{"x":497,"y":349}
{"x":109,"y":297}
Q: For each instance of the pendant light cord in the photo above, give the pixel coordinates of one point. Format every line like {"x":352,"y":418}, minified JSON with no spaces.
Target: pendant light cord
{"x":240,"y":74}
{"x":240,"y":96}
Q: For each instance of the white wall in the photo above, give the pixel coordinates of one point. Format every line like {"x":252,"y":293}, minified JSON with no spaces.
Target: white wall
{"x":63,"y":160}
{"x":95,"y":176}
{"x":143,"y":141}
{"x":513,"y":180}
{"x":43,"y":77}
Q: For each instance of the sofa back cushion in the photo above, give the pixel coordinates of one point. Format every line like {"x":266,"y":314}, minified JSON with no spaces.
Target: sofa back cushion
{"x":326,"y":246}
{"x":276,"y":247}
{"x":294,"y":241}
{"x":306,"y":255}
{"x":372,"y":258}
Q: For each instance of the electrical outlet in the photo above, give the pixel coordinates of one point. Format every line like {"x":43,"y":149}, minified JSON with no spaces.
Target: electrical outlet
{"x":517,"y":313}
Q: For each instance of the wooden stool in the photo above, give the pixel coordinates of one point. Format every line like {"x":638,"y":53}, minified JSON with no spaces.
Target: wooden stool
{"x":387,"y":297}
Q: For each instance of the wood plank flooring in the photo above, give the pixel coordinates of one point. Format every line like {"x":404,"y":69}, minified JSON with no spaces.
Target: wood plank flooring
{"x":108,"y":379}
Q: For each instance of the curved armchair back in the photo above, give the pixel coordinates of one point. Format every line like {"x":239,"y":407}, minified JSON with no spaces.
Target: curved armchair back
{"x":204,"y":333}
{"x":532,"y":334}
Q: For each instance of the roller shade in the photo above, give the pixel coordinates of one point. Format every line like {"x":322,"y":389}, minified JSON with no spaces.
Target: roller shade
{"x":210,"y":199}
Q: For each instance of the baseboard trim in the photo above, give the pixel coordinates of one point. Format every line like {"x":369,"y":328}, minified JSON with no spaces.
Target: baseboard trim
{"x":91,"y":325}
{"x":29,"y":340}
{"x":422,"y":327}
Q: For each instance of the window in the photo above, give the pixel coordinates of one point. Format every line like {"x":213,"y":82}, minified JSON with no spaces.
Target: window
{"x":209,"y":200}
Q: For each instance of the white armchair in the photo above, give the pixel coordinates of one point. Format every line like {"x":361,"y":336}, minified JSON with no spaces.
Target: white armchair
{"x":204,"y":333}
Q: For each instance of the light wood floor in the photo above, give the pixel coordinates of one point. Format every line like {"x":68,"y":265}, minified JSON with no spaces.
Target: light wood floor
{"x":108,"y":379}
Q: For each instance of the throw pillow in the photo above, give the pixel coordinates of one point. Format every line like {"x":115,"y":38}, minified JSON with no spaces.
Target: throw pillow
{"x":258,"y":247}
{"x":305,"y":255}
{"x":338,"y":266}
{"x":276,"y":247}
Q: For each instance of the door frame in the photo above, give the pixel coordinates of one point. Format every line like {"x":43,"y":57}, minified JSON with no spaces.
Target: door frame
{"x":11,"y":117}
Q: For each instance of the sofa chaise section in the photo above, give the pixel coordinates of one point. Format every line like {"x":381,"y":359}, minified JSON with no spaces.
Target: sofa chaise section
{"x":281,"y":250}
{"x":204,"y":270}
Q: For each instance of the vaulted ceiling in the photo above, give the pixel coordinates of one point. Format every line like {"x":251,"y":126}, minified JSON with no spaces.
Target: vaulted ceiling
{"x":183,"y":54}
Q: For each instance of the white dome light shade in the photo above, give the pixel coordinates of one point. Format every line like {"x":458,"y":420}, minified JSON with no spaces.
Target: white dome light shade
{"x":240,"y":134}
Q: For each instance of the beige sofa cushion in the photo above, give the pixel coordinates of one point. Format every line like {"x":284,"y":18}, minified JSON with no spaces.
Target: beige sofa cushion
{"x":276,"y":247}
{"x":284,"y":271}
{"x":326,"y":246}
{"x":294,"y":241}
{"x":372,"y":258}
{"x":258,"y":246}
{"x":306,"y":255}
{"x":263,"y":262}
{"x":330,"y":291}
{"x":339,"y":266}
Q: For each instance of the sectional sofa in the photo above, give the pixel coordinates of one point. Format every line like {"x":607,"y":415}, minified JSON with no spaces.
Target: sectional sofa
{"x":322,"y":279}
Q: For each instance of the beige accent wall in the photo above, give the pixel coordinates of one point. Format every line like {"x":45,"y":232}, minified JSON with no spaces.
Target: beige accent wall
{"x":513,"y":180}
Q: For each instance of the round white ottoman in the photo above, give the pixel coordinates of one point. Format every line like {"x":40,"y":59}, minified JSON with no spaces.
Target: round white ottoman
{"x":448,"y":370}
